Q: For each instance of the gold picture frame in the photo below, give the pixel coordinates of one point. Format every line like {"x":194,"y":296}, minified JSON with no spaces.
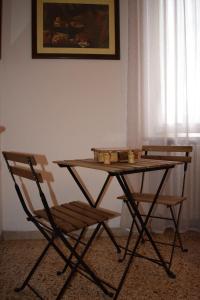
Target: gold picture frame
{"x":75,"y":29}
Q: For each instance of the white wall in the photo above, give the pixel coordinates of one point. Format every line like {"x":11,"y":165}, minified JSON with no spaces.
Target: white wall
{"x":1,"y":131}
{"x":60,"y":108}
{"x":0,"y":160}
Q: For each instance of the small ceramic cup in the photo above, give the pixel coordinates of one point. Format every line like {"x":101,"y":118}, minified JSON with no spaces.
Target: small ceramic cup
{"x":131,"y":157}
{"x":107,"y":158}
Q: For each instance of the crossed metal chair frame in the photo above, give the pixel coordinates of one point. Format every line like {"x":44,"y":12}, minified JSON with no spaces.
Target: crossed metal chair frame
{"x":151,"y":152}
{"x":53,"y":231}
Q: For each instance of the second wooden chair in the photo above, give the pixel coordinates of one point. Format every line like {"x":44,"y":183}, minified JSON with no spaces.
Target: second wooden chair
{"x":171,"y":153}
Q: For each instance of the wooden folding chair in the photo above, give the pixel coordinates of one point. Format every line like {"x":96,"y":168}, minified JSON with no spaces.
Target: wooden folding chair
{"x":170,"y":153}
{"x":58,"y":222}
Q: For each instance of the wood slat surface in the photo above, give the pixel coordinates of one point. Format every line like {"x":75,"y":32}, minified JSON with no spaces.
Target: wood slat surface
{"x":102,"y":212}
{"x":167,"y":148}
{"x":69,"y":212}
{"x":87,"y":210}
{"x":25,"y":173}
{"x":162,"y":199}
{"x":90,"y":212}
{"x":76,"y":215}
{"x":80,"y":210}
{"x":20,"y":157}
{"x":65,"y":226}
{"x":168,"y":157}
{"x":117,"y":167}
{"x":77,"y":223}
{"x":87,"y":163}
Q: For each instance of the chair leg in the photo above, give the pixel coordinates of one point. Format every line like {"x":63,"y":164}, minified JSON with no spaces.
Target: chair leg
{"x":127,"y":243}
{"x":134,"y":222}
{"x":110,"y":234}
{"x":26,"y":281}
{"x":80,"y":261}
{"x":71,"y":255}
{"x":176,"y":233}
{"x":143,"y":223}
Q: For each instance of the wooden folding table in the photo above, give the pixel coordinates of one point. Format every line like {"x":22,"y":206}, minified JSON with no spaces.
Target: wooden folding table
{"x":120,"y":170}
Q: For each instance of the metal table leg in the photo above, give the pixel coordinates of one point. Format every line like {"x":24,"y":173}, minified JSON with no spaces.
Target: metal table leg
{"x":124,"y":185}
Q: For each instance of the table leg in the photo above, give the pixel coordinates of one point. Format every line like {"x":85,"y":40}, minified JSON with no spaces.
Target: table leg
{"x":124,"y":185}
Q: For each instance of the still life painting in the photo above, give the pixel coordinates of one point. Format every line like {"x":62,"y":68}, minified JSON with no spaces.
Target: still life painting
{"x":75,"y":29}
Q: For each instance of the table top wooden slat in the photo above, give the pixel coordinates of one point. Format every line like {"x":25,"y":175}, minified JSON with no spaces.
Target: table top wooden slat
{"x":141,"y":164}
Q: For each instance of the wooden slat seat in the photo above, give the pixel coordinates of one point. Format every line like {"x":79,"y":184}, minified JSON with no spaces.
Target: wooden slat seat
{"x":76,"y":215}
{"x":102,"y":212}
{"x":162,"y":199}
{"x":66,"y":226}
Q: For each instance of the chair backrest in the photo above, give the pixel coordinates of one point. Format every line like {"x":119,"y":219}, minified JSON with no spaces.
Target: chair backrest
{"x":171,"y":153}
{"x":22,"y":165}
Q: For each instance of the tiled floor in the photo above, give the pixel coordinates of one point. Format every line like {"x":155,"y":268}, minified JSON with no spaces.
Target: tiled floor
{"x":144,"y":281}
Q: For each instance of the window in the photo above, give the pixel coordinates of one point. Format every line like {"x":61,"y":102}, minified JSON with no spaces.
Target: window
{"x":170,"y":45}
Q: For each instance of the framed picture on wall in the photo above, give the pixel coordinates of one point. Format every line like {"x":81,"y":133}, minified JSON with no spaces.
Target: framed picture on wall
{"x":75,"y":29}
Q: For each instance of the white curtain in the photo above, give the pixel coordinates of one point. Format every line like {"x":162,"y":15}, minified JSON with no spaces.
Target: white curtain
{"x":164,"y":85}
